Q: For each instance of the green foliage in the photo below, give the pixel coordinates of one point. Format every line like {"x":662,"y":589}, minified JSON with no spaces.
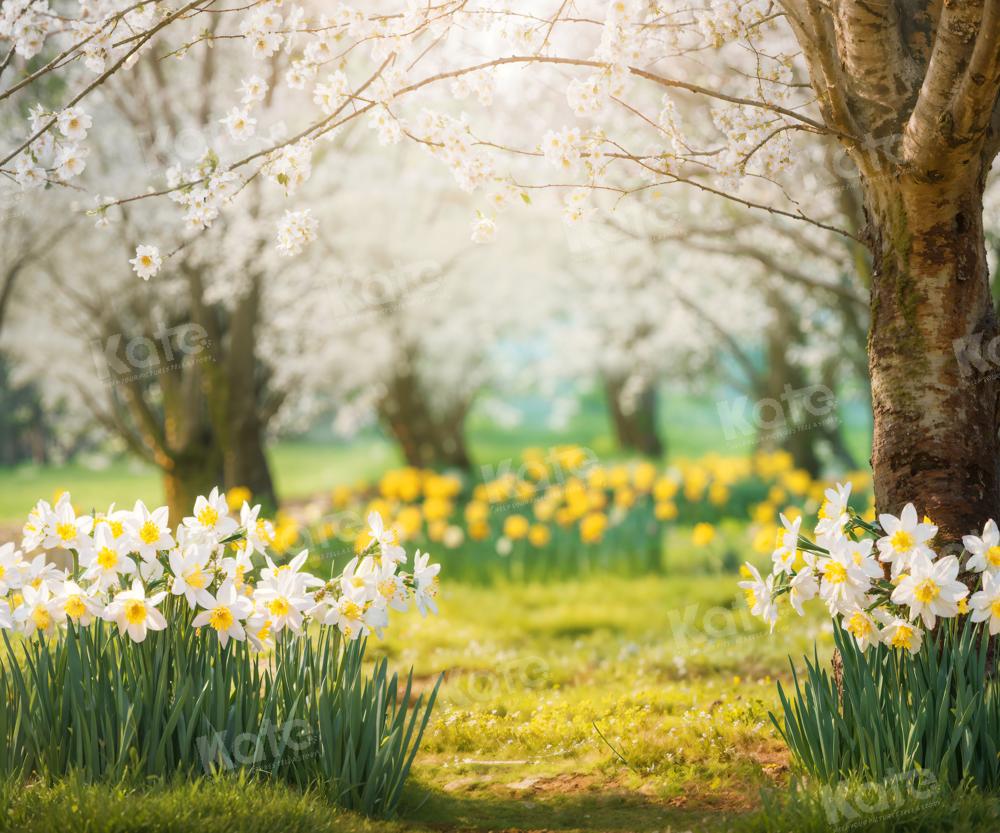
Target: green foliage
{"x":96,"y":705}
{"x":935,"y":711}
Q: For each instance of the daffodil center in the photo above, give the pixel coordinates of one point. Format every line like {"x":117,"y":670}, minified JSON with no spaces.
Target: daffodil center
{"x":196,"y":579}
{"x":74,"y":607}
{"x":66,"y":531}
{"x":351,"y":610}
{"x":993,"y":555}
{"x":208,"y":516}
{"x":42,"y":618}
{"x":859,"y":625}
{"x":149,"y":532}
{"x":835,"y":572}
{"x":902,"y":637}
{"x":135,"y":612}
{"x":279,"y":607}
{"x":902,"y":541}
{"x":221,"y":618}
{"x":927,"y":591}
{"x":107,"y":558}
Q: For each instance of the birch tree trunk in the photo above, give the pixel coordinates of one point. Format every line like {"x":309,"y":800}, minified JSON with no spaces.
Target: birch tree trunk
{"x":635,"y":428}
{"x":910,"y":89}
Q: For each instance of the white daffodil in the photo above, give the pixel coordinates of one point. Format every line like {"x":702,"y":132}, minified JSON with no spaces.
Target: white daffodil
{"x":391,"y":588}
{"x":236,"y":567}
{"x":107,"y":562}
{"x":65,"y":529}
{"x":385,"y":538}
{"x":804,"y":585}
{"x":149,"y":531}
{"x":426,"y":581}
{"x":225,"y":613}
{"x":259,"y":532}
{"x":80,"y":605}
{"x":38,"y":571}
{"x":134,"y":613}
{"x":760,"y":596}
{"x":787,"y":549}
{"x":861,"y":555}
{"x":6,"y":620}
{"x":931,"y":589}
{"x":36,"y":527}
{"x":899,"y":633}
{"x":985,"y":551}
{"x":192,"y":577}
{"x":905,"y":537}
{"x":844,"y":584}
{"x":862,"y":627}
{"x":12,"y":568}
{"x":303,"y":580}
{"x":346,"y":613}
{"x":985,"y":603}
{"x":39,"y":611}
{"x":116,"y":522}
{"x":258,"y":631}
{"x":284,"y":603}
{"x":833,"y":515}
{"x":211,"y":517}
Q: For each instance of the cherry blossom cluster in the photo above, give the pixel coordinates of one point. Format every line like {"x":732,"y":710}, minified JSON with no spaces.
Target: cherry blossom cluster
{"x":130,"y":568}
{"x":341,"y":62}
{"x":883,"y":583}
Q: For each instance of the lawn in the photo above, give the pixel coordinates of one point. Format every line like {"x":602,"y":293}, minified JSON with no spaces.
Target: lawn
{"x":600,"y":705}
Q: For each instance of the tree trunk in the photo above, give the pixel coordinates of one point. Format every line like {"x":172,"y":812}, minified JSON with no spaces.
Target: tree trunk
{"x":426,"y":439}
{"x":244,"y":459}
{"x":194,"y":472}
{"x":635,"y":428}
{"x":931,"y":354}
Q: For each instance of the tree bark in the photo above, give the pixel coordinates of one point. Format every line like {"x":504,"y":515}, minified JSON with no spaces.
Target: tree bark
{"x":194,"y":472}
{"x":635,"y":429}
{"x":244,"y":458}
{"x":934,"y":396}
{"x":426,"y":438}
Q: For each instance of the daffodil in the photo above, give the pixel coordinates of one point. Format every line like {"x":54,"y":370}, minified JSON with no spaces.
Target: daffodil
{"x":985,"y":603}
{"x":107,"y":562}
{"x":134,"y":613}
{"x":211,"y":520}
{"x":902,"y":635}
{"x":985,"y":550}
{"x":760,"y":595}
{"x":804,"y":585}
{"x":844,"y":584}
{"x":931,"y":589}
{"x":149,"y":531}
{"x":225,"y":613}
{"x":65,"y":529}
{"x":191,"y":574}
{"x":905,"y":538}
{"x":11,"y":568}
{"x":787,"y":548}
{"x":39,"y":611}
{"x":284,"y":601}
{"x":78,"y":604}
{"x":862,"y":627}
{"x":425,"y":577}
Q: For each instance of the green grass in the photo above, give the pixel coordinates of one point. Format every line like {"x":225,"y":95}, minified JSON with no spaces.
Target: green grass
{"x":669,"y":670}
